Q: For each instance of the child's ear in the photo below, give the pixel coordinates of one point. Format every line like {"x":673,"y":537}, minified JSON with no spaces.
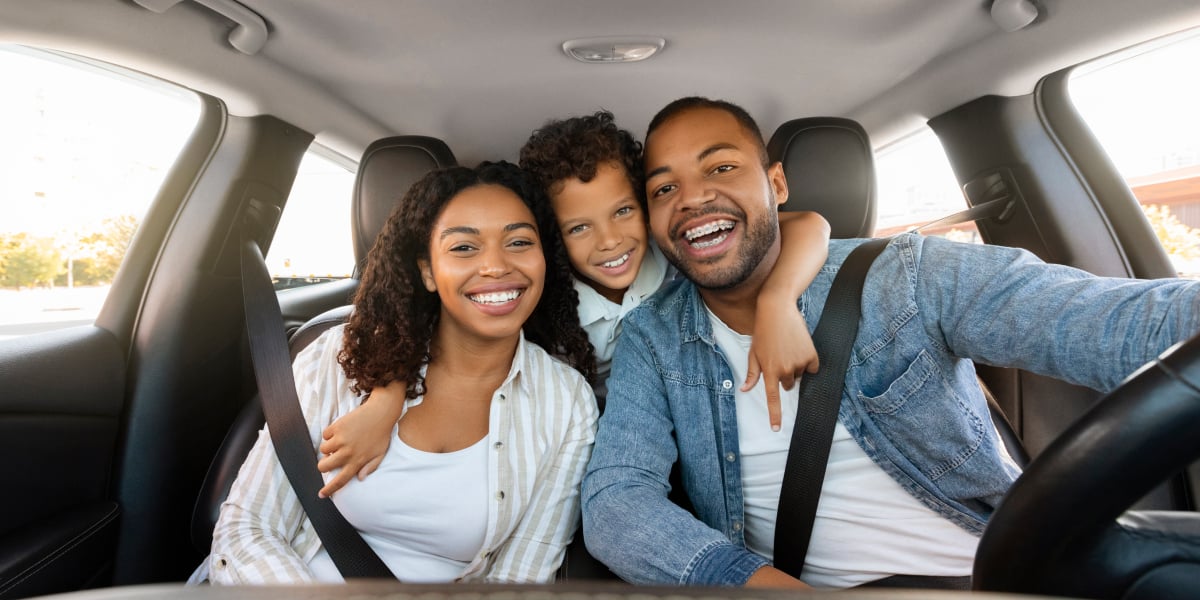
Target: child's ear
{"x":427,"y":274}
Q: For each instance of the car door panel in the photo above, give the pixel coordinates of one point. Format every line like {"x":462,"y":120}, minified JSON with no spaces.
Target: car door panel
{"x":59,"y":416}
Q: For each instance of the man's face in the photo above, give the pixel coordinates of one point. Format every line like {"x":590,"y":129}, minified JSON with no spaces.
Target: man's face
{"x":713,"y":207}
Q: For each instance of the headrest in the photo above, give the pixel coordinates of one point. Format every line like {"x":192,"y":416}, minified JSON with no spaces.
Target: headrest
{"x":387,"y":169}
{"x":830,"y":169}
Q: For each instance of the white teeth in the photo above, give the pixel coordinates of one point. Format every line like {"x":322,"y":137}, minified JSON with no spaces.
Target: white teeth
{"x":496,"y":297}
{"x":712,"y":242}
{"x":616,"y":262}
{"x":708,"y":228}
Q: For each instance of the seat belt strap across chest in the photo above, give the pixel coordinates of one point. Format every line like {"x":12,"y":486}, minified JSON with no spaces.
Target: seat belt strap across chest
{"x":816,"y":413}
{"x":285,"y":421}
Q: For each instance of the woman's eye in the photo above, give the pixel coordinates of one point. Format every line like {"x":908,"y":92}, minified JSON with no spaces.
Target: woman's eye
{"x":462,"y":248}
{"x":522,"y":243}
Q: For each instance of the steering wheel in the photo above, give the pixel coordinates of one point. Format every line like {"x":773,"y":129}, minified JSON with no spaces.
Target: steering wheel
{"x":1063,"y":528}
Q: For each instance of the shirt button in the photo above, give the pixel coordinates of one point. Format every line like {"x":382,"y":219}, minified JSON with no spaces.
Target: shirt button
{"x":737,"y":526}
{"x":500,"y":495}
{"x":498,"y":445}
{"x":729,"y":456}
{"x":727,"y":384}
{"x":502,"y":396}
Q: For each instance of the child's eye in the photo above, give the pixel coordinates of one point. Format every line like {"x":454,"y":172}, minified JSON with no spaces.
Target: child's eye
{"x":462,"y":248}
{"x":624,"y":210}
{"x":577,"y":229}
{"x":724,"y":168}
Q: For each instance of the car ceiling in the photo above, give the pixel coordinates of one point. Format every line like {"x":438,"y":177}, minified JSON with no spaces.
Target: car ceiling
{"x":483,"y":74}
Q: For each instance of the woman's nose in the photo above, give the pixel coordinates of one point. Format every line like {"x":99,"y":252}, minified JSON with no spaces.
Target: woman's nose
{"x":494,"y":263}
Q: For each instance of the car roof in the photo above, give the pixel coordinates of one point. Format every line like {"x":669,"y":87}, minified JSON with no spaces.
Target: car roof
{"x":482,"y":75}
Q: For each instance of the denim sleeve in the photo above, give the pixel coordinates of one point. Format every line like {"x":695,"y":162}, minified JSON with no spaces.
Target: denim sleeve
{"x":629,"y":524}
{"x":1005,"y":307}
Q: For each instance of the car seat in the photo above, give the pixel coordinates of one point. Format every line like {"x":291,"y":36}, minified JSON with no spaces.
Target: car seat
{"x":388,"y":168}
{"x":830,"y":168}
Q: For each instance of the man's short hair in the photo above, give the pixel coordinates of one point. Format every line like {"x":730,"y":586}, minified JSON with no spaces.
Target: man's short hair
{"x":693,"y":102}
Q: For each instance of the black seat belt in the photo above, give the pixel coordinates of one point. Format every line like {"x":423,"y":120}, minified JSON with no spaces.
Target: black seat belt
{"x":816,"y":413}
{"x":289,"y":431}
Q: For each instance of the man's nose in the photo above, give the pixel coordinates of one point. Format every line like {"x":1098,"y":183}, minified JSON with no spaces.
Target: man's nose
{"x":694,"y":193}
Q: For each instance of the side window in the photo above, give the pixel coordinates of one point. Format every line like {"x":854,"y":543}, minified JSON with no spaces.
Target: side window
{"x":84,"y":150}
{"x":916,"y":185}
{"x":1144,"y":108}
{"x":313,"y":242}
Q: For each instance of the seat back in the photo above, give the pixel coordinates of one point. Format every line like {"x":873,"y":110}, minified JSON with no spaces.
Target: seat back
{"x":830,"y":169}
{"x":388,"y":168}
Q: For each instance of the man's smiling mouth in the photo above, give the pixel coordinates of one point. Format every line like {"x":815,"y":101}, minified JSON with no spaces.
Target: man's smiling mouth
{"x":708,"y":234}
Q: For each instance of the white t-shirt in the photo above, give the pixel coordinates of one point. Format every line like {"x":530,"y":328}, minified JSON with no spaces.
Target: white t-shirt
{"x":867,"y":527}
{"x":423,"y":513}
{"x":601,"y":318}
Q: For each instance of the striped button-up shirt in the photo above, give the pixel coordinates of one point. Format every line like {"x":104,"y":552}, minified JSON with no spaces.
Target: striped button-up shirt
{"x":542,"y":423}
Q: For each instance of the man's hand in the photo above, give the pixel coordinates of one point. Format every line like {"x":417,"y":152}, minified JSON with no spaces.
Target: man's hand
{"x":770,"y":577}
{"x":357,"y":442}
{"x":781,"y":351}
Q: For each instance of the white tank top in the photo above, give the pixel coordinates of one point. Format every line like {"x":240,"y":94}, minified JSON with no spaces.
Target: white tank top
{"x":424,"y":513}
{"x":867,"y":527}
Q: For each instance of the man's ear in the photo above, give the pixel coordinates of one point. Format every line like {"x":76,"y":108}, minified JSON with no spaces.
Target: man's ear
{"x":778,"y":181}
{"x":427,"y":274}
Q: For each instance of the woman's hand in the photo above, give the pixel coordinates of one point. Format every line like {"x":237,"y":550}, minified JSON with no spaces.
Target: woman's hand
{"x":357,"y":442}
{"x":781,"y":351}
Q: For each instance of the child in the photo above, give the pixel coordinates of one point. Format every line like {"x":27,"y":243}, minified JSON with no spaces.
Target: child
{"x":592,"y":173}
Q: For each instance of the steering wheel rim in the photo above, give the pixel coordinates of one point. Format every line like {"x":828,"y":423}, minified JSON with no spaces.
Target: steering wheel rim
{"x":1057,"y":531}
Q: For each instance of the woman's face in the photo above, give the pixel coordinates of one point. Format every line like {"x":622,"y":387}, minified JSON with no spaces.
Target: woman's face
{"x":603,"y":228}
{"x":485,"y":263}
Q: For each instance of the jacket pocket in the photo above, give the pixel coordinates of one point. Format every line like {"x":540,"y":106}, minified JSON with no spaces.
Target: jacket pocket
{"x":926,"y":419}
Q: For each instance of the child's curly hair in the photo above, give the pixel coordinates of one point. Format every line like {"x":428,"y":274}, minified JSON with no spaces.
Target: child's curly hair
{"x":575,"y":147}
{"x":395,"y":317}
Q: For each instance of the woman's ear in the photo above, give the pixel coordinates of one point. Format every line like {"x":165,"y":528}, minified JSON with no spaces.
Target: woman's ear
{"x":427,"y":274}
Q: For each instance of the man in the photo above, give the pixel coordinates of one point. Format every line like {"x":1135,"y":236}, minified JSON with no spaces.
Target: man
{"x":916,"y":467}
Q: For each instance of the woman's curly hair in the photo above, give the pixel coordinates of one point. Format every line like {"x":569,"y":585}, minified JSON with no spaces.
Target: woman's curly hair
{"x":575,"y":147}
{"x":395,"y":317}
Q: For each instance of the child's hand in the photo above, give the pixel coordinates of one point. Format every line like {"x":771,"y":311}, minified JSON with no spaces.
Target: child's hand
{"x":357,"y":442}
{"x":781,"y":352}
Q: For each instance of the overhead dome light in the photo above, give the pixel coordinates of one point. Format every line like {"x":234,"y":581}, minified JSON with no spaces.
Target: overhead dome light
{"x":1012,"y":15}
{"x":613,"y":49}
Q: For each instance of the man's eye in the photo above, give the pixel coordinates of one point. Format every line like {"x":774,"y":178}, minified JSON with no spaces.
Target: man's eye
{"x":666,"y":189}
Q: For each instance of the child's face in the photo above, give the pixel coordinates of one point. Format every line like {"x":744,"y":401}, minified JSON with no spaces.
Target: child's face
{"x":604,"y":229}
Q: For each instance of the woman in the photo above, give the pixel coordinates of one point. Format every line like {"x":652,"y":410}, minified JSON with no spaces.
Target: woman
{"x":461,"y":292}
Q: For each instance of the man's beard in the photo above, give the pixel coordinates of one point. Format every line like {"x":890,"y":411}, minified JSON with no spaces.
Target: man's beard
{"x":759,"y":237}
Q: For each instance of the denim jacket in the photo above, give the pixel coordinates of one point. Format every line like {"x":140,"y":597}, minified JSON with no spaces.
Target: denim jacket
{"x":911,"y":400}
